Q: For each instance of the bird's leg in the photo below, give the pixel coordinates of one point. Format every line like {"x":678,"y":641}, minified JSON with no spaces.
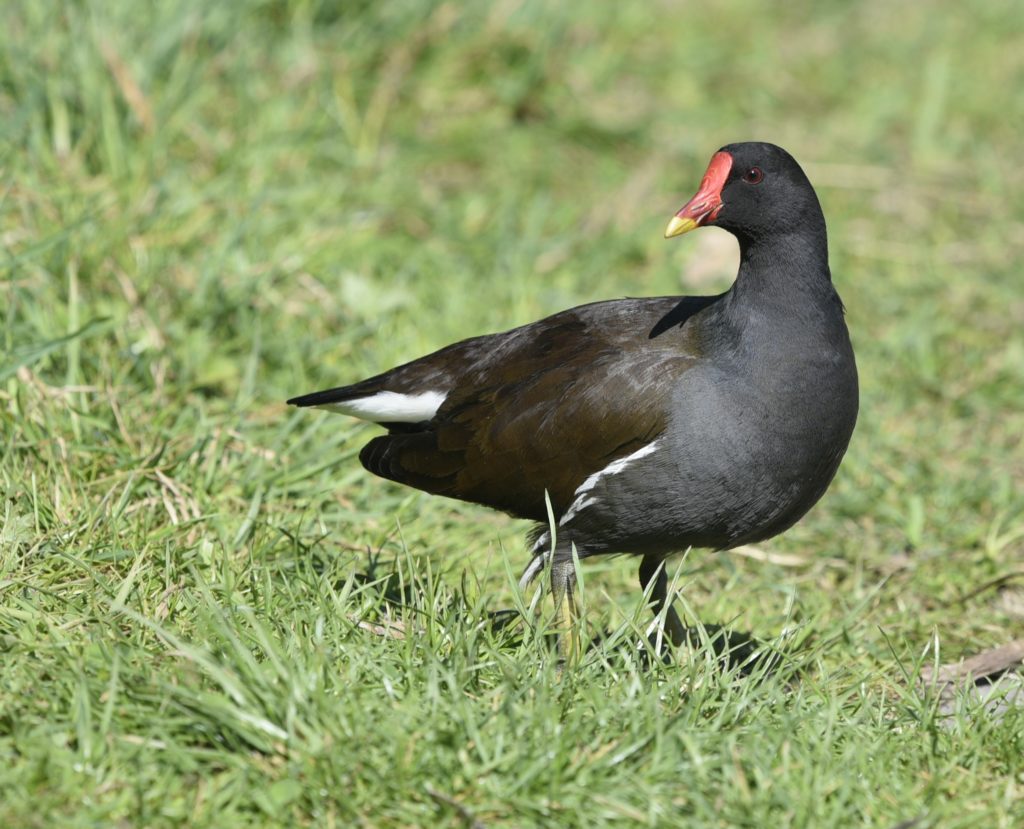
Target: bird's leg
{"x":563,"y":590}
{"x":652,"y":570}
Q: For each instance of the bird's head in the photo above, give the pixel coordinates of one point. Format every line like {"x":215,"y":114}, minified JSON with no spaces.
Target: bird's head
{"x":752,"y":190}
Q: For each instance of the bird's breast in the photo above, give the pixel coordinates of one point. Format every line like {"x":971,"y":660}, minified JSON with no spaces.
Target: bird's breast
{"x":754,"y":452}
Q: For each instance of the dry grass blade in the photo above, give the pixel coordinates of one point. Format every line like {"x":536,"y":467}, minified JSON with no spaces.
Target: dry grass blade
{"x":391,"y":628}
{"x":985,"y":664}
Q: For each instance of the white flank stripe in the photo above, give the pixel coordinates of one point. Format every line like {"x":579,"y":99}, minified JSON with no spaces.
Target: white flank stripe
{"x":392,"y":407}
{"x":539,"y":560}
{"x":614,"y":468}
{"x":533,"y":570}
{"x":575,"y":507}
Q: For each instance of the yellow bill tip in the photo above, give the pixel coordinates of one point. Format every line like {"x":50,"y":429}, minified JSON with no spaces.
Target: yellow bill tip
{"x":678,"y":226}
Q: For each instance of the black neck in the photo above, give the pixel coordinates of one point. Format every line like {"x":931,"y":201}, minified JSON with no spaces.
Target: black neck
{"x":784,"y":266}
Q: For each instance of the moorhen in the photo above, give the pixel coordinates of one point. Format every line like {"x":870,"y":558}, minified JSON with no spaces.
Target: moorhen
{"x":653,"y":425}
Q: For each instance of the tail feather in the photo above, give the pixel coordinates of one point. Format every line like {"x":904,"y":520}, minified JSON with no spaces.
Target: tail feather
{"x":369,"y":401}
{"x":341,"y":394}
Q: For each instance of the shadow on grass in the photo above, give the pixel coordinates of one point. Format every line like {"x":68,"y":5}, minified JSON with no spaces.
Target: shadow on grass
{"x":734,"y":650}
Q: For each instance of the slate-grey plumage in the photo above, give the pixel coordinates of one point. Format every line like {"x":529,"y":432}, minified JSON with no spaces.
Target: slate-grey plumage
{"x":653,"y":424}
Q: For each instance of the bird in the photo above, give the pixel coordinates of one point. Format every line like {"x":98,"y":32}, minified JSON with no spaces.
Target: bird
{"x":643,"y":426}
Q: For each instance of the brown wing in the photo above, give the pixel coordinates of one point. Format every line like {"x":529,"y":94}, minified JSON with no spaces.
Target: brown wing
{"x":544,"y":406}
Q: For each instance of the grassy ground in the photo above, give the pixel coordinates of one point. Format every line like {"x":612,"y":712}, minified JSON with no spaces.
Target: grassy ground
{"x":210,"y":615}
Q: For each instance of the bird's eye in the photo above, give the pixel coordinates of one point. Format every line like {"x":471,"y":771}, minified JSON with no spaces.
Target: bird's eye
{"x":753,"y":175}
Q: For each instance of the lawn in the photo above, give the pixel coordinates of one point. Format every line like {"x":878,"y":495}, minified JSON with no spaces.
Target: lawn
{"x":210,"y":615}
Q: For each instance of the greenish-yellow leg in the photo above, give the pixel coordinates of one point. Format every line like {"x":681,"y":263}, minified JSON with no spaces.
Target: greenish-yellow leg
{"x":563,"y":590}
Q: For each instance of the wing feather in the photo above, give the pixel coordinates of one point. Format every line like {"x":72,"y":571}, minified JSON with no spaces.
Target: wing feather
{"x":541,"y":407}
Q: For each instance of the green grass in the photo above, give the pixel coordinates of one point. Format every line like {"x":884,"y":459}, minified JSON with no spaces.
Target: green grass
{"x":207,"y":208}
